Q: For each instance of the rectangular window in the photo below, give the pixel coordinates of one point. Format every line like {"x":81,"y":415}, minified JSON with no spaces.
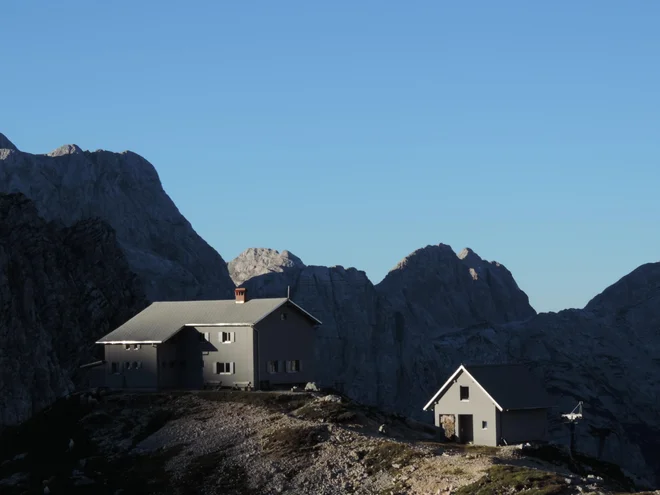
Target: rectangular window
{"x":127,"y":346}
{"x":484,"y":425}
{"x":127,"y":365}
{"x":227,"y":337}
{"x":202,"y":363}
{"x":138,"y":365}
{"x":273,"y":367}
{"x":114,"y":368}
{"x":224,"y":368}
{"x":465,"y":393}
{"x":293,"y":366}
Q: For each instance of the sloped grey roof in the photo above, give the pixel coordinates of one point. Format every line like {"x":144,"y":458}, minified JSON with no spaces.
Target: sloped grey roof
{"x":512,"y":386}
{"x":161,"y":320}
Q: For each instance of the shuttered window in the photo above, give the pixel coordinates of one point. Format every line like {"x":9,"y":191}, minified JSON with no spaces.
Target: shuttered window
{"x":225,"y":368}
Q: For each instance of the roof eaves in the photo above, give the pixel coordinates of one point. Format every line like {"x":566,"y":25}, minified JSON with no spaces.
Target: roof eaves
{"x":218,"y":324}
{"x":129,"y":341}
{"x":306,"y":312}
{"x":294,"y":305}
{"x":451,"y":379}
{"x":483,"y":389}
{"x":270,"y":311}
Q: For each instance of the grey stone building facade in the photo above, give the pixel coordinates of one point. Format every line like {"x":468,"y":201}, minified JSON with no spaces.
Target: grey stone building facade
{"x":491,"y":405}
{"x":258,"y":343}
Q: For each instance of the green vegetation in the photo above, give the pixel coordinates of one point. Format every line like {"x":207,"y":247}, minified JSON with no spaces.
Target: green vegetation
{"x":291,"y":442}
{"x":454,"y":471}
{"x":582,"y":465}
{"x":331,"y":412}
{"x":388,"y":453}
{"x":503,"y":479}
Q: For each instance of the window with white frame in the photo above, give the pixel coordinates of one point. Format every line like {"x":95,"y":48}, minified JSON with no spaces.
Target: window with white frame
{"x":224,"y":368}
{"x":484,"y":425}
{"x":227,"y":337}
{"x":293,"y":366}
{"x":465,"y":393}
{"x":206,"y":336}
{"x":273,"y":366}
{"x":114,"y":368}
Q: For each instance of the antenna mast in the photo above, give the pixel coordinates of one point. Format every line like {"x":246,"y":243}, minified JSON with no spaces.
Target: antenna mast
{"x":571,"y":419}
{"x":288,"y":292}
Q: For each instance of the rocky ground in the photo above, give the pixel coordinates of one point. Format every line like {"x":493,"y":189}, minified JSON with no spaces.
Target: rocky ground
{"x":230,"y":442}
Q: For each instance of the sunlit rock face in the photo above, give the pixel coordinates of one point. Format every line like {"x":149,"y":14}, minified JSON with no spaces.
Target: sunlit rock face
{"x":123,"y":189}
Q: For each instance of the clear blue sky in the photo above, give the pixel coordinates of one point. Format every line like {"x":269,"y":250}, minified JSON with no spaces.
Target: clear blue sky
{"x":352,"y":133}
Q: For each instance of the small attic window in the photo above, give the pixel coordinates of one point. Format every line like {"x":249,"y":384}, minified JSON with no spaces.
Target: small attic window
{"x":465,"y":393}
{"x":283,"y":316}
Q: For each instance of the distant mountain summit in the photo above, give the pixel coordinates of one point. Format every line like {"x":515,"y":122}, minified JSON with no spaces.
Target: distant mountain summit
{"x":123,"y":189}
{"x":448,"y":291}
{"x":6,"y":144}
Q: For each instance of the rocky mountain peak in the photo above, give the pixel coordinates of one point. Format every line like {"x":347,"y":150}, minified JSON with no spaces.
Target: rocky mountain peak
{"x":6,"y":144}
{"x":68,"y":185}
{"x":635,"y":291}
{"x":67,"y":149}
{"x":448,"y":291}
{"x":255,"y":262}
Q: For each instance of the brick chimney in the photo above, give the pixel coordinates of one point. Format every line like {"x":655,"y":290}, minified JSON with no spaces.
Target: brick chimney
{"x":241,"y":296}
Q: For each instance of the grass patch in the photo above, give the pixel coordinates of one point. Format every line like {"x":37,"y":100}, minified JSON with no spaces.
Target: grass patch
{"x":331,"y":412}
{"x":455,"y":471}
{"x":504,"y":479}
{"x":582,"y":465}
{"x":388,"y":453}
{"x":289,"y":441}
{"x":276,"y":402}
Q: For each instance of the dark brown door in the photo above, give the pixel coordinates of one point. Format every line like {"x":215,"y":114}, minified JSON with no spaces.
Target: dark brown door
{"x":465,"y":428}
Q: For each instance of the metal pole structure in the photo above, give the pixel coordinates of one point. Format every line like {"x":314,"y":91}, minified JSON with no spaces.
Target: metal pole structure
{"x":571,"y":419}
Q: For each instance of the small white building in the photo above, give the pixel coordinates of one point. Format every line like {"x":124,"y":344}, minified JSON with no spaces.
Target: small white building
{"x":491,"y":405}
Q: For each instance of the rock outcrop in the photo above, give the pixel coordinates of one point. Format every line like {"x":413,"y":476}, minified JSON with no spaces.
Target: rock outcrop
{"x":123,"y":189}
{"x":60,"y":289}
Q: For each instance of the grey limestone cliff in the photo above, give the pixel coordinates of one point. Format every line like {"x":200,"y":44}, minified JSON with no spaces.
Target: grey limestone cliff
{"x":60,"y":289}
{"x":372,"y":343}
{"x":394,"y":344}
{"x":123,"y":189}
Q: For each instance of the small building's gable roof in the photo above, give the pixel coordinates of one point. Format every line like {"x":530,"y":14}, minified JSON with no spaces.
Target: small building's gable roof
{"x":508,"y":386}
{"x":160,"y":321}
